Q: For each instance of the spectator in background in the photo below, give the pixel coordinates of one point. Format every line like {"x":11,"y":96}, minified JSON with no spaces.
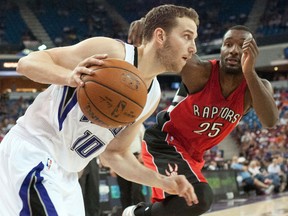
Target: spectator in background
{"x":247,"y":180}
{"x":275,"y":168}
{"x":212,"y":165}
{"x":284,"y":169}
{"x":262,"y":175}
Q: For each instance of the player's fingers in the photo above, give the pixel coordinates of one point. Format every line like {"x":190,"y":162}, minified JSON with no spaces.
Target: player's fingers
{"x":254,"y":47}
{"x":187,"y":192}
{"x":79,"y":81}
{"x":191,"y":197}
{"x":250,"y":46}
{"x":100,"y":56}
{"x":76,"y":78}
{"x":96,"y":59}
{"x":83,"y":70}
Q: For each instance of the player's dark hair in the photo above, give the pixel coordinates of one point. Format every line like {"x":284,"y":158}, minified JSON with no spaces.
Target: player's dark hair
{"x":240,"y":27}
{"x":164,"y":16}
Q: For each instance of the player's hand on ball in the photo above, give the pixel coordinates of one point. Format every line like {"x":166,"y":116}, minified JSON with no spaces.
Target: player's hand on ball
{"x":83,"y":68}
{"x":180,"y":186}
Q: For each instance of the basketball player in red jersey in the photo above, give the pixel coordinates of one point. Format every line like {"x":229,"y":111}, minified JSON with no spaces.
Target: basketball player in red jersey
{"x":212,"y":99}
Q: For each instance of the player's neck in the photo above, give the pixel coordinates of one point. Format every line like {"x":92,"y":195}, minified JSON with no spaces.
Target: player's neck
{"x":148,"y":63}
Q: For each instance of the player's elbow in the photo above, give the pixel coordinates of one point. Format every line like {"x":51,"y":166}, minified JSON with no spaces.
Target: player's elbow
{"x":21,"y":65}
{"x":271,"y":123}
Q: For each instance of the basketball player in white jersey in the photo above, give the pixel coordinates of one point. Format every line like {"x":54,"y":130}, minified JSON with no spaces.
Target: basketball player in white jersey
{"x":41,"y":155}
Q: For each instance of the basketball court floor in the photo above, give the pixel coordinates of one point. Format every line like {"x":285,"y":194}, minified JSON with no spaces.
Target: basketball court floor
{"x":264,"y":205}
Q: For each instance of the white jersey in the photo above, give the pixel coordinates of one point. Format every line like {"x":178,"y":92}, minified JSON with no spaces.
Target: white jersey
{"x":56,"y":124}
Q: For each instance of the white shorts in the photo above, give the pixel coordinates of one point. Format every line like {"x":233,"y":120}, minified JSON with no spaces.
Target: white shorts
{"x":32,"y":183}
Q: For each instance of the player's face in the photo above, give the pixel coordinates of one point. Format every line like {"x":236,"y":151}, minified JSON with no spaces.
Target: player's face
{"x":179,"y":45}
{"x":231,"y":50}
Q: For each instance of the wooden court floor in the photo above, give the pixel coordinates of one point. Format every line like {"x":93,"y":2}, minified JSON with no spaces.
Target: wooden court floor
{"x":265,"y":206}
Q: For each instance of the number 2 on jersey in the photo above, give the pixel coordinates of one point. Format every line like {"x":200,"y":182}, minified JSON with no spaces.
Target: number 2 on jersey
{"x":214,"y":128}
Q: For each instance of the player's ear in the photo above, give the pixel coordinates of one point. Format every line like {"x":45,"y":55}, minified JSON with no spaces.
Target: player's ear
{"x":160,"y":35}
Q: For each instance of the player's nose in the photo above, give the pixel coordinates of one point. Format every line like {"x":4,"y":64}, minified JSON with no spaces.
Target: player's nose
{"x":193,"y":48}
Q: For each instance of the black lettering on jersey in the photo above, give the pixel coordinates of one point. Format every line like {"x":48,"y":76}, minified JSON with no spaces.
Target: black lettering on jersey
{"x":115,"y":131}
{"x":68,"y":101}
{"x":84,"y":119}
{"x":87,"y":144}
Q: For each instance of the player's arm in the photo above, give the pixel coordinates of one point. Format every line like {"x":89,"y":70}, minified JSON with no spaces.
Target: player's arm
{"x":261,"y":91}
{"x":119,"y":157}
{"x":64,"y":65}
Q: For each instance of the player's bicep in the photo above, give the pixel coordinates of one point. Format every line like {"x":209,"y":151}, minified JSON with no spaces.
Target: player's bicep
{"x":67,"y":57}
{"x":71,"y":56}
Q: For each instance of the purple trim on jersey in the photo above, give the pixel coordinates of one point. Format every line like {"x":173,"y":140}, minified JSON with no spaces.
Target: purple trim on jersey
{"x":34,"y":176}
{"x":64,"y":109}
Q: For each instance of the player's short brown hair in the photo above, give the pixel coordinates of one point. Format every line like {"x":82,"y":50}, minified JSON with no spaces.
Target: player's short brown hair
{"x":164,"y":16}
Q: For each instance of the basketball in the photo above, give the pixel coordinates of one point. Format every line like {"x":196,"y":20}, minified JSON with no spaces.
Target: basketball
{"x":114,"y":96}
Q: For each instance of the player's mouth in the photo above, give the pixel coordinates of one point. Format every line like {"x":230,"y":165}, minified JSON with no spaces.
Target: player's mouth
{"x":187,"y":57}
{"x":232,"y":61}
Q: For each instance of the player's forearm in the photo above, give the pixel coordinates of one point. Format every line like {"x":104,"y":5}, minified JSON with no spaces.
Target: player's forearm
{"x":40,"y":67}
{"x":130,"y":168}
{"x":262,"y":100}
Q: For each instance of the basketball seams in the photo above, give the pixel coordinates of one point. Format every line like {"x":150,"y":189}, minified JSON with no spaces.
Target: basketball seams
{"x":140,"y":78}
{"x":109,"y":87}
{"x":115,"y":120}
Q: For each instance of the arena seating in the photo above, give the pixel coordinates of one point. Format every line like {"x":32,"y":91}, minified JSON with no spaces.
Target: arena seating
{"x":75,"y":20}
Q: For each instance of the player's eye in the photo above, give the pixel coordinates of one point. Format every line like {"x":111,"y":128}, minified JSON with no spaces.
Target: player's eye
{"x":228,"y":44}
{"x":187,"y":37}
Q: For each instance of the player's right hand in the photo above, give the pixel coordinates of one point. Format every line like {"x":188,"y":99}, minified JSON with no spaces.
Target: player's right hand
{"x":179,"y":185}
{"x":135,"y":32}
{"x":83,"y":68}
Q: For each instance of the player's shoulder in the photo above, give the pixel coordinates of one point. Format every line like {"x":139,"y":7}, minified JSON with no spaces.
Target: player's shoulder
{"x":196,"y":64}
{"x":197,"y":70}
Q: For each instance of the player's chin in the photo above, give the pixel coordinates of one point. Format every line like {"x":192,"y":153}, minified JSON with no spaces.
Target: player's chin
{"x":177,"y":69}
{"x":181,"y":66}
{"x":233,"y":69}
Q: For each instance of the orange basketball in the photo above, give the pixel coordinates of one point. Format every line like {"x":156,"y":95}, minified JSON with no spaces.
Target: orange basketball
{"x":114,"y":96}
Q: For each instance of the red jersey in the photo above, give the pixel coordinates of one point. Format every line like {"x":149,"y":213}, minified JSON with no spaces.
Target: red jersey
{"x":202,"y":120}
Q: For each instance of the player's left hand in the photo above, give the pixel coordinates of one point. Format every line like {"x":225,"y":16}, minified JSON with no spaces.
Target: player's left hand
{"x":180,"y":186}
{"x":250,"y":53}
{"x":83,"y":68}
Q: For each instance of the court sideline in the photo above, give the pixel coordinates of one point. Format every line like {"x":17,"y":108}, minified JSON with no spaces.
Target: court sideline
{"x":273,"y":205}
